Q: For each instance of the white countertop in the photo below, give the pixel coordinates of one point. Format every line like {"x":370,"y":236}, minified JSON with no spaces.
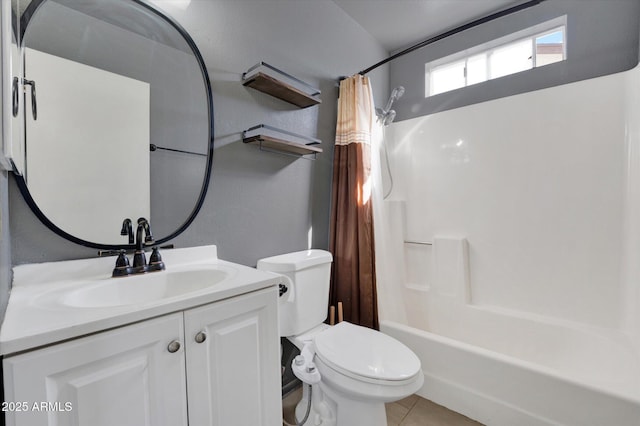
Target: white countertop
{"x":34,"y":316}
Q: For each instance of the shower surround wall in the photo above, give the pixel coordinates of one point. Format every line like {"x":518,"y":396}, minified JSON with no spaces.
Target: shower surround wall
{"x":526,"y":308}
{"x":531,"y":202}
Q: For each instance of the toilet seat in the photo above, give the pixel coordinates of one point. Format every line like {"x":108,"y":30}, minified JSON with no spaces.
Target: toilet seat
{"x":366,"y":355}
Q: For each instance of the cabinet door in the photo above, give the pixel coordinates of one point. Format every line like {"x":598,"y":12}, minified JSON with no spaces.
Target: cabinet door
{"x":124,"y":377}
{"x":12,"y":135}
{"x":233,"y":376}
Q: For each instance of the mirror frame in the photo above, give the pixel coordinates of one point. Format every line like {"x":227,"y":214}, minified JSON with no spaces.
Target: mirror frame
{"x":22,"y":185}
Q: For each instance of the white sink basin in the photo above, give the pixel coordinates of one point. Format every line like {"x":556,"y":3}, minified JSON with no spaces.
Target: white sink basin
{"x":56,"y":301}
{"x":140,"y":289}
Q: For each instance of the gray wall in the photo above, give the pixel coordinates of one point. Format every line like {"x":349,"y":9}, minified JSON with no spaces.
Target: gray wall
{"x":602,"y":38}
{"x":259,"y":204}
{"x":5,"y":245}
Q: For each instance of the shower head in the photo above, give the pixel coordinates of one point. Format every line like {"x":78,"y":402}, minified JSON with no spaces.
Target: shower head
{"x":387,"y":115}
{"x":398,"y":92}
{"x":395,"y":95}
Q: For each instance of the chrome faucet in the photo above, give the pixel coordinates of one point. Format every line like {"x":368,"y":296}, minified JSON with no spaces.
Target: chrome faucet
{"x":140,"y":265}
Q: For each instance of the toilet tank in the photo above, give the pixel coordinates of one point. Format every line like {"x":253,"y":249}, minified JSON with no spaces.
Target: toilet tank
{"x":306,"y":275}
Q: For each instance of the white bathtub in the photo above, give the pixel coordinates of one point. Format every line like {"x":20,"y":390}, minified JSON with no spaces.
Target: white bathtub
{"x":504,"y":390}
{"x":507,"y":254}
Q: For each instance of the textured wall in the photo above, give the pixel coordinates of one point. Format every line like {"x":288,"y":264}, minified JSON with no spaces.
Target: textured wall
{"x":258,"y":204}
{"x":5,"y":245}
{"x":602,"y":38}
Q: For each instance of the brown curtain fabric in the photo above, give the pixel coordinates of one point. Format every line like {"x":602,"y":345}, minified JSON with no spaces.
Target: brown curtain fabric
{"x":353,"y":277}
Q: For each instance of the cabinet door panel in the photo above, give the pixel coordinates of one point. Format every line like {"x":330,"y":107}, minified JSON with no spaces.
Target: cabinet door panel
{"x":233,"y":376}
{"x":123,"y":377}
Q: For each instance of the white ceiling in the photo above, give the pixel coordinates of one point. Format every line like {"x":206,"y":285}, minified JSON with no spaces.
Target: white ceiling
{"x":400,"y":23}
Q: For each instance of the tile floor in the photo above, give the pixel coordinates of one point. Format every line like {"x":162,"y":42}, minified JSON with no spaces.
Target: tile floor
{"x":417,"y":411}
{"x":411,"y":411}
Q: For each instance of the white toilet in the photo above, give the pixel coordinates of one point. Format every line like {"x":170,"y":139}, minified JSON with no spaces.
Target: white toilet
{"x":353,"y":370}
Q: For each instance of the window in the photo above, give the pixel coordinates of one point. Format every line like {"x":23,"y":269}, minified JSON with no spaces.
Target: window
{"x":534,"y":47}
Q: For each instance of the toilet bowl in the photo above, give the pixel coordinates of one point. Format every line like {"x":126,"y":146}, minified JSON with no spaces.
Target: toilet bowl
{"x":361,"y":370}
{"x":353,"y":371}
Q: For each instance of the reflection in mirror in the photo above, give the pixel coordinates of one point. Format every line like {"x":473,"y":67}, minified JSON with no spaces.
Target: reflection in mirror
{"x":113,"y":78}
{"x":96,"y":128}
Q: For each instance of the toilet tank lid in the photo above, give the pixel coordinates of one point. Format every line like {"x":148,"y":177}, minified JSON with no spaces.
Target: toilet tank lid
{"x":294,"y":261}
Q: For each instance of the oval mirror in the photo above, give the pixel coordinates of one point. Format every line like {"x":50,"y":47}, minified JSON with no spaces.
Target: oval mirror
{"x":118,"y":119}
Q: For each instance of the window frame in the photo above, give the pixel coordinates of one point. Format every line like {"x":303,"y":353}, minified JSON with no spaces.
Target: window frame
{"x":532,"y":33}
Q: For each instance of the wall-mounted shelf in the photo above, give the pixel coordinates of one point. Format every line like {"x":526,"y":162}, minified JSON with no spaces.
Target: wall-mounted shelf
{"x":277,"y":83}
{"x":272,"y":139}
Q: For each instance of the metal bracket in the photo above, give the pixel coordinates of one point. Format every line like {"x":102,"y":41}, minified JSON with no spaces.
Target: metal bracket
{"x":34,"y":105}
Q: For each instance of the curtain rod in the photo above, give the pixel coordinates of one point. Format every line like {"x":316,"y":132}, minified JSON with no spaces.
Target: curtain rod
{"x":457,"y":30}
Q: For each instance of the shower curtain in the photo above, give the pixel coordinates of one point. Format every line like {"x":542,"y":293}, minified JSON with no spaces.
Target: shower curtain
{"x":353,"y":275}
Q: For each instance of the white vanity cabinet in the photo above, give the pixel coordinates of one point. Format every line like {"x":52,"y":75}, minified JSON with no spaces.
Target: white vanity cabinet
{"x":233,"y":375}
{"x":124,"y":376}
{"x":217,"y":364}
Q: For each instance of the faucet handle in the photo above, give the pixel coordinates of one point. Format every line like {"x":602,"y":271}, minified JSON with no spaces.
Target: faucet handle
{"x":122,"y":268}
{"x":122,"y":259}
{"x":155,"y":261}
